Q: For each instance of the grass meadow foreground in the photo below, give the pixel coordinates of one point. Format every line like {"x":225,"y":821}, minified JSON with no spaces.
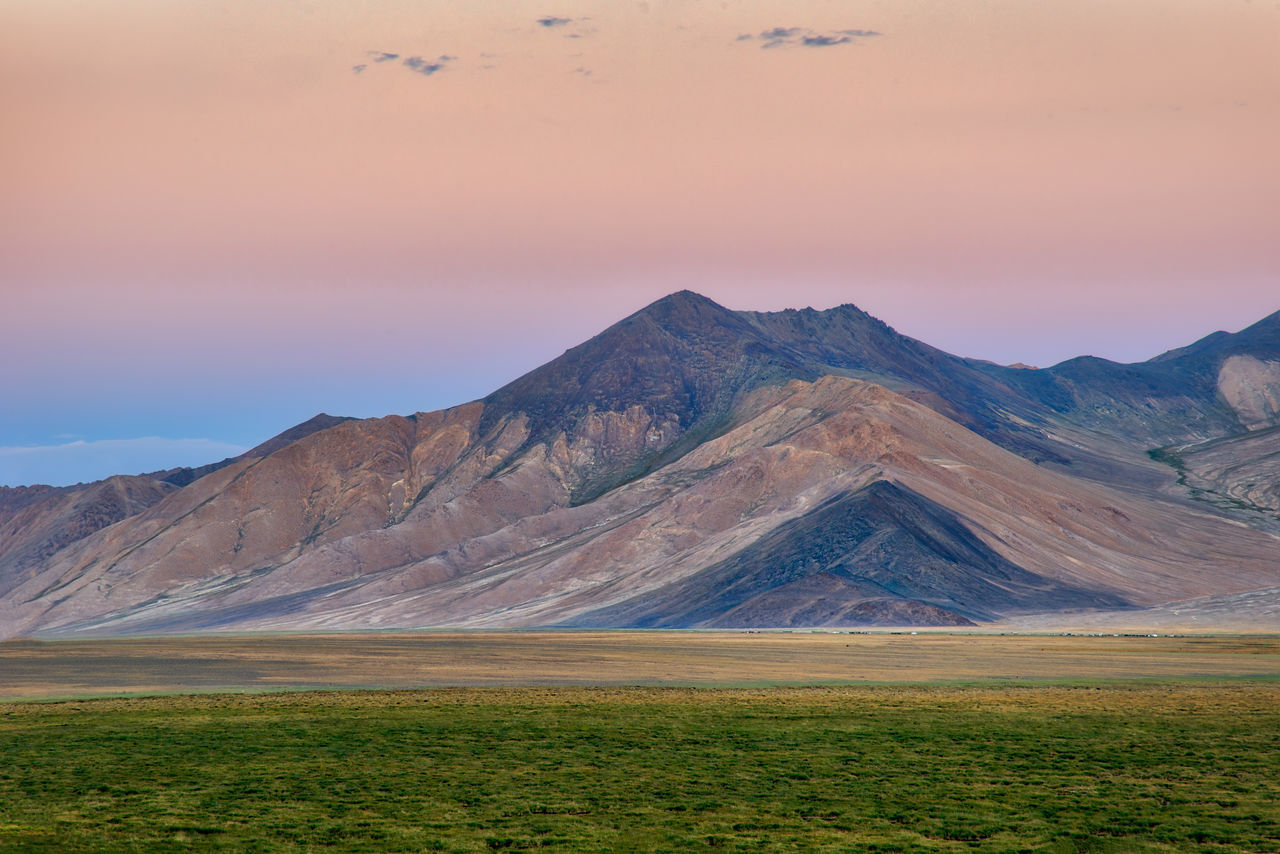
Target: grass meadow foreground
{"x":1107,"y":766}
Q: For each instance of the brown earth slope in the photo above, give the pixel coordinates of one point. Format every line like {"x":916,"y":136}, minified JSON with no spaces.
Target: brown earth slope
{"x":36,"y":522}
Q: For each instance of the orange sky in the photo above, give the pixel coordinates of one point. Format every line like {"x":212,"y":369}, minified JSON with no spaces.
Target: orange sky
{"x":1014,"y":179}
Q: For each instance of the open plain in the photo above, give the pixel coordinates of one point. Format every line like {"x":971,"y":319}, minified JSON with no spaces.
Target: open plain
{"x":642,"y":741}
{"x":87,"y":668}
{"x":1119,"y":767}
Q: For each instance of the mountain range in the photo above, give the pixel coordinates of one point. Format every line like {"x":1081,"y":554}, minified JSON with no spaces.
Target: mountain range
{"x":693,"y":466}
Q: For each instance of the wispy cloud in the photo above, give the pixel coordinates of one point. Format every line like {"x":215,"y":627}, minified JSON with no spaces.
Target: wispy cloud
{"x":781,"y":33}
{"x":416,"y":64}
{"x":824,"y":40}
{"x":776,"y":37}
{"x":582,"y":28}
{"x":425,"y":67}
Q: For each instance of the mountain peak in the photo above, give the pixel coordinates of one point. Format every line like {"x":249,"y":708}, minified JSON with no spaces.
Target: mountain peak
{"x":685,"y":296}
{"x":314,"y":424}
{"x":1261,"y":339}
{"x":683,"y":310}
{"x":1269,"y":324}
{"x":682,"y":359}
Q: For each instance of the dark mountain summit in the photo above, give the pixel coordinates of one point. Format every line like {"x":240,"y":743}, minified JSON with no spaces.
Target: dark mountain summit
{"x":1177,"y":396}
{"x":1261,"y":340}
{"x":684,"y":361}
{"x":682,"y":358}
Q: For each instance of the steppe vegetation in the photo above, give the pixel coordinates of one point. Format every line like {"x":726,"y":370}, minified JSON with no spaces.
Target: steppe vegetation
{"x":67,"y":669}
{"x":1101,"y":766}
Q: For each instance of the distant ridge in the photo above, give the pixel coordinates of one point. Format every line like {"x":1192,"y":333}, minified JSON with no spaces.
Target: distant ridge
{"x":38,"y":521}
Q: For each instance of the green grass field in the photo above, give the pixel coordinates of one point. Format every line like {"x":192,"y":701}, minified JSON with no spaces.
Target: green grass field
{"x":1125,"y":767}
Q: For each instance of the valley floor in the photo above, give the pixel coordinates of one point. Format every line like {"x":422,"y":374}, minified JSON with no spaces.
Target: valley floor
{"x":211,"y":663}
{"x":1107,"y":766}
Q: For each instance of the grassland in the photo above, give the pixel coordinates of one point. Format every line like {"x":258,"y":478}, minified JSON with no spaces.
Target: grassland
{"x":85,"y":668}
{"x":791,"y":742}
{"x":1109,"y":767}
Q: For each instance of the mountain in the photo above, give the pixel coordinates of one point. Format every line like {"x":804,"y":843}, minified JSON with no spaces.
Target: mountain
{"x":36,"y":522}
{"x":696,"y":466}
{"x":1221,"y":385}
{"x":854,"y":558}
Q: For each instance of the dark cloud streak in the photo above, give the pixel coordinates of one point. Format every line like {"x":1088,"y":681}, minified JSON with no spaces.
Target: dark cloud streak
{"x":416,"y":64}
{"x":803,"y":37}
{"x":421,"y":66}
{"x":824,"y":41}
{"x":780,"y":33}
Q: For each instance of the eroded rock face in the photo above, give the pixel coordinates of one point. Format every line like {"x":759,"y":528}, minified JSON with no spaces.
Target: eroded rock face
{"x":37,"y":522}
{"x":1251,"y":387}
{"x":1240,"y":471}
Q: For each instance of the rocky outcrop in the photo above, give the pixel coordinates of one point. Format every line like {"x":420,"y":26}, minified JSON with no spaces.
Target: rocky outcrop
{"x":1251,"y":387}
{"x":1234,"y":473}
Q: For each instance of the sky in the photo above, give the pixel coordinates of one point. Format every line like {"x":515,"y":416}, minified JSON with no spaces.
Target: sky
{"x":220,"y":218}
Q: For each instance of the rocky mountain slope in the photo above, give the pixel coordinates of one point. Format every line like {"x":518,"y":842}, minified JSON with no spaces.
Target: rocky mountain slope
{"x":695,"y":466}
{"x":38,"y":521}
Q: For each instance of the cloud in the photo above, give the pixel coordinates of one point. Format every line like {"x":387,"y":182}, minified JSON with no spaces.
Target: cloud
{"x":425,"y":68}
{"x":416,"y":64}
{"x":824,"y":41}
{"x":83,"y":462}
{"x":804,"y":37}
{"x":552,"y":21}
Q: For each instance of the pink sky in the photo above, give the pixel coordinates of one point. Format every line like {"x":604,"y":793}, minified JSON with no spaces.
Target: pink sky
{"x":206,"y":201}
